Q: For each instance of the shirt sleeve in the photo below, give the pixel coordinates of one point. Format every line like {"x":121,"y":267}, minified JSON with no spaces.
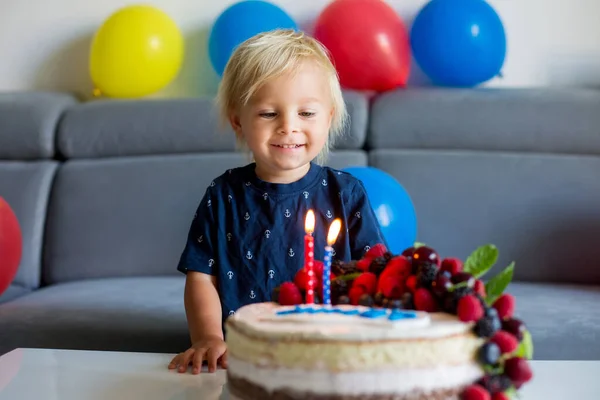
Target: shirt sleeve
{"x":200,"y":252}
{"x":363,"y":229}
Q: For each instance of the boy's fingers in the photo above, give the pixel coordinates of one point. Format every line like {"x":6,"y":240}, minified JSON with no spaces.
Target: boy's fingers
{"x":197,"y":361}
{"x":212,"y":356}
{"x":224,"y":360}
{"x":185,"y":359}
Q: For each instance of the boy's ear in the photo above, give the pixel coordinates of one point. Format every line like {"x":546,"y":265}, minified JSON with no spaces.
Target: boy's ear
{"x":234,"y":120}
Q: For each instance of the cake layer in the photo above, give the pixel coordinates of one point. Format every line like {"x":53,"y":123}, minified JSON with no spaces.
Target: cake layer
{"x":354,"y":356}
{"x":351,"y":384}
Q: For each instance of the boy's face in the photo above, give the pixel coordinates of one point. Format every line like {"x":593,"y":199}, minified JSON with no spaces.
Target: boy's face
{"x":287,"y":121}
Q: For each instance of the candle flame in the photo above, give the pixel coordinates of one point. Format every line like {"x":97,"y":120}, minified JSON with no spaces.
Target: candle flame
{"x":334,"y":230}
{"x":309,"y":224}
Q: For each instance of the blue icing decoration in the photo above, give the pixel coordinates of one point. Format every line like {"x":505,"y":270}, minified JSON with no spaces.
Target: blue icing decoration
{"x":396,"y":315}
{"x":371,"y":313}
{"x":374,"y":313}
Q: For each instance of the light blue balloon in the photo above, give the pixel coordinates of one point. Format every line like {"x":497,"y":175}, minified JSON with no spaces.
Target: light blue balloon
{"x":393,"y":207}
{"x":458,"y":43}
{"x":240,"y":22}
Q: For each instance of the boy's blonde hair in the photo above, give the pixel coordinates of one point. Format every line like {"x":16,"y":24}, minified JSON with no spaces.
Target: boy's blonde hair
{"x":271,"y":54}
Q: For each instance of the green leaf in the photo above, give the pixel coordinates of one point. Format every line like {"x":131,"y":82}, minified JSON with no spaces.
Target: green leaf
{"x":349,"y":277}
{"x":525,"y":348}
{"x":512,"y":393}
{"x":418,"y":244}
{"x":481,"y":260}
{"x":496,"y":286}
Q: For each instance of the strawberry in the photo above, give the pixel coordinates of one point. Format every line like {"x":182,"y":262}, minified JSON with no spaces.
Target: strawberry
{"x":411,"y":283}
{"x":505,"y":305}
{"x":399,"y":266}
{"x":354,"y":294}
{"x":424,"y":301}
{"x":391,"y":287}
{"x":378,"y":250}
{"x":289,"y":294}
{"x":506,"y":341}
{"x":479,"y":288}
{"x":363,"y":264}
{"x":318,"y":268}
{"x":469,"y":309}
{"x":301,"y":279}
{"x":475,"y":392}
{"x":367,"y":281}
{"x":452,"y":264}
{"x":518,"y":370}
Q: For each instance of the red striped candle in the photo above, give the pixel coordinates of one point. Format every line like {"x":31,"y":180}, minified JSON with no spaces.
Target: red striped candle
{"x":309,"y":256}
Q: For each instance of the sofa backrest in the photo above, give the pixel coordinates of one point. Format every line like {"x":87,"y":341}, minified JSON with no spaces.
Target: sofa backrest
{"x":134,"y":174}
{"x":27,"y":131}
{"x":519,"y":168}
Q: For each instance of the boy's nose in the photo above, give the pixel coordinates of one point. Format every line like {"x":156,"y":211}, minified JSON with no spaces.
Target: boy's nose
{"x":288,"y":125}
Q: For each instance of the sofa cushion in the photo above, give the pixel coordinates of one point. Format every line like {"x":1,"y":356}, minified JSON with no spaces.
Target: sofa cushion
{"x":540,"y":210}
{"x":539,"y":120}
{"x":564,"y":320}
{"x":28,"y":123}
{"x":26,"y":188}
{"x":13,"y":292}
{"x":145,"y":127}
{"x":131,"y":216}
{"x":127,"y":314}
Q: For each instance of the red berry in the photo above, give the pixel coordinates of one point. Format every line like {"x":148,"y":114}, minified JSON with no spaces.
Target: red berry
{"x":506,"y":341}
{"x":475,"y":392}
{"x":479,"y":288}
{"x":469,"y":309}
{"x":505,"y":305}
{"x":400,"y":266}
{"x":318,"y":268}
{"x":289,"y":294}
{"x":368,"y":282}
{"x":411,"y":283}
{"x":518,"y":370}
{"x":391,"y":287}
{"x":500,"y":396}
{"x":354,"y":294}
{"x":424,"y":301}
{"x":426,"y":253}
{"x":363,"y":264}
{"x":452,"y":264}
{"x":376,"y":251}
{"x":301,"y":279}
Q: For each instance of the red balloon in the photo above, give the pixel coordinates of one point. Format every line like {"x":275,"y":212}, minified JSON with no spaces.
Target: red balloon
{"x":10,"y":245}
{"x":368,"y":42}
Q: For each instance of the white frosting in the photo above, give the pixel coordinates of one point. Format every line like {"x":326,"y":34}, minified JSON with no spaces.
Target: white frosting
{"x":356,"y":383}
{"x":263,"y":319}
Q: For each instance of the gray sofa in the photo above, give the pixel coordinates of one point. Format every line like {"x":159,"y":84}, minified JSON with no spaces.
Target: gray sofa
{"x":105,"y":192}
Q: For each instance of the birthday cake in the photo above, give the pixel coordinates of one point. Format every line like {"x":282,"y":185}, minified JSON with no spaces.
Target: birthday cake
{"x":386,"y":327}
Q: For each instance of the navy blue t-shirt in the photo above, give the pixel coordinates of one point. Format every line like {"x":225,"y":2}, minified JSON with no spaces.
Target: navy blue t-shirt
{"x":250,"y":233}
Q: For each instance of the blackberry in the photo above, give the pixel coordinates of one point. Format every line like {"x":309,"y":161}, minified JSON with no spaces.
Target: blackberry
{"x":339,"y":287}
{"x":450,"y":301}
{"x":407,"y":301}
{"x":378,"y":299}
{"x":395,"y":304}
{"x":426,"y":274}
{"x":341,"y":300}
{"x":487,"y":326}
{"x":489,"y":353}
{"x":366,"y":300}
{"x":388,"y":255}
{"x":378,"y":265}
{"x":495,"y":383}
{"x":337,"y":267}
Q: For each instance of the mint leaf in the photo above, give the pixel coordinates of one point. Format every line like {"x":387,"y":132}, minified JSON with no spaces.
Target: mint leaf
{"x":418,"y":244}
{"x":525,"y":348}
{"x":496,"y":286}
{"x":481,"y":260}
{"x":512,"y":393}
{"x":349,"y":277}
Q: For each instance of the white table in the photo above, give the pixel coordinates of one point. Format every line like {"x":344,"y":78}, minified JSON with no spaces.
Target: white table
{"x":65,"y":374}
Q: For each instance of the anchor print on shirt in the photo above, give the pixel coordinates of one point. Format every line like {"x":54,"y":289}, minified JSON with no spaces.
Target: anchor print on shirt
{"x":230,"y":275}
{"x":213,"y":184}
{"x":267,"y":233}
{"x":329,"y":214}
{"x":248,"y":183}
{"x":247,"y":216}
{"x":209,"y":203}
{"x":287,"y":213}
{"x":357,"y":214}
{"x":231,"y":312}
{"x":305,"y":194}
{"x":333,"y":253}
{"x":265,"y":196}
{"x":229,"y":197}
{"x":249,"y":255}
{"x":271,"y":273}
{"x":291,"y":253}
{"x":201,"y":239}
{"x":324,"y":182}
{"x":229,"y":236}
{"x":211,"y":262}
{"x":252,"y":294}
{"x":367,"y":248}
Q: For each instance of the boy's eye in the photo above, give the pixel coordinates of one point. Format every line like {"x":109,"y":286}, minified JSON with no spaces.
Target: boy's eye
{"x":307,"y":114}
{"x":268,"y":115}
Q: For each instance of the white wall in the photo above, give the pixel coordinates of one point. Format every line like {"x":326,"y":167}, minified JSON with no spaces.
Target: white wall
{"x":44,"y":43}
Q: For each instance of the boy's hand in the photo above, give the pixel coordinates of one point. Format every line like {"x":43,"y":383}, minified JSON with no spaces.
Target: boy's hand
{"x":212,"y":350}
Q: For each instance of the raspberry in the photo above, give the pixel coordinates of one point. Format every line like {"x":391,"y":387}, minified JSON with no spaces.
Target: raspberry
{"x":507,"y":342}
{"x":400,"y":266}
{"x":475,"y":392}
{"x":354,"y":294}
{"x":500,"y":396}
{"x":505,"y":306}
{"x":301,"y":279}
{"x":378,"y":250}
{"x":424,"y":301}
{"x":318,"y":268}
{"x":479,"y":288}
{"x":364,"y":264}
{"x":518,"y":370}
{"x":391,"y":287}
{"x":411,"y":283}
{"x":289,"y":294}
{"x":452,"y":265}
{"x":367,"y":281}
{"x":469,"y":309}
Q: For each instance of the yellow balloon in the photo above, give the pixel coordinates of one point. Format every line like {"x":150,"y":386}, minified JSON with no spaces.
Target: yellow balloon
{"x":137,"y":51}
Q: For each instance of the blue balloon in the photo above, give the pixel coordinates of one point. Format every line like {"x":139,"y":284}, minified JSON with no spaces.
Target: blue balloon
{"x":392,"y":205}
{"x":458,"y":43}
{"x":240,"y":22}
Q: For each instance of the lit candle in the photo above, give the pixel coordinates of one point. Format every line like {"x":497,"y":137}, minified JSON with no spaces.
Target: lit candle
{"x":334,"y":230}
{"x":309,"y":256}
